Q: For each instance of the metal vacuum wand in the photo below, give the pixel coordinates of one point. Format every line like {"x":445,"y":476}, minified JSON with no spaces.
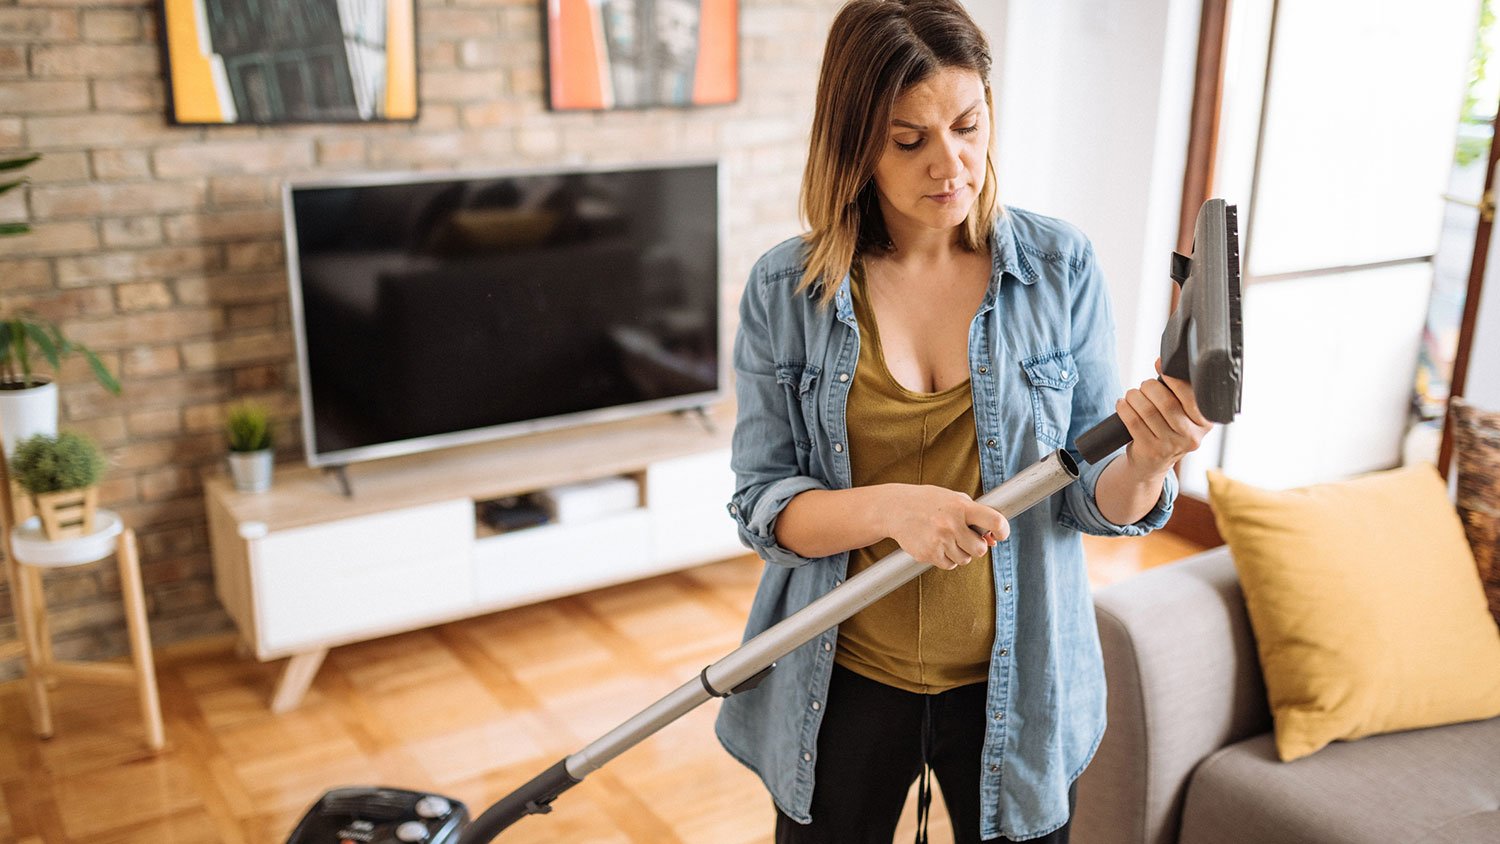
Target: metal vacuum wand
{"x":746,"y":666}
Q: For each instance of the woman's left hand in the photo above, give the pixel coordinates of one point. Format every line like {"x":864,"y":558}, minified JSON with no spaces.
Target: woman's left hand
{"x":1164,"y":423}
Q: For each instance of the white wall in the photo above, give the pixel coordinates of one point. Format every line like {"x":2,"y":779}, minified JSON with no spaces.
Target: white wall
{"x":1093,"y":103}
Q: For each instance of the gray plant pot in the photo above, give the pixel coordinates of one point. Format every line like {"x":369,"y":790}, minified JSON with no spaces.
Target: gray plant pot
{"x":251,"y":470}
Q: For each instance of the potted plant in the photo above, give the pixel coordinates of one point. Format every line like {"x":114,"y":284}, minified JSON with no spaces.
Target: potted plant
{"x":249,"y":428}
{"x":28,"y":401}
{"x":61,"y":475}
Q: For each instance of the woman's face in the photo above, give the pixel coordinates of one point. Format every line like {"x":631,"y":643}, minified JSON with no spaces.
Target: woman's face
{"x":933,"y":165}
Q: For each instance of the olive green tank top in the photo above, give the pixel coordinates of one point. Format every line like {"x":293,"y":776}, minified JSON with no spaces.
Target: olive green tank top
{"x":934,"y":633}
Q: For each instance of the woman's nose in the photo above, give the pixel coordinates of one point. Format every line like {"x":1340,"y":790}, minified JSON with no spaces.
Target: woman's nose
{"x":948,"y":160}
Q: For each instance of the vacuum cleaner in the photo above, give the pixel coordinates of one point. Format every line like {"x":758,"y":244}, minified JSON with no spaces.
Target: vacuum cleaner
{"x":1202,"y":344}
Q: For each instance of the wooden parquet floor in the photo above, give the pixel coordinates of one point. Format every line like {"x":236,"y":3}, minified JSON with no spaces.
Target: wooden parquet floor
{"x":470,"y":709}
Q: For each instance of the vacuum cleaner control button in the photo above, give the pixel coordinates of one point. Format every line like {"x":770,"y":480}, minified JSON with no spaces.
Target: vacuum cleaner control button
{"x":411,"y":832}
{"x":433,"y":806}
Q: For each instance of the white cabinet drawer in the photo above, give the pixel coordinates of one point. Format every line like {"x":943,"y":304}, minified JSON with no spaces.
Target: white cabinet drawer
{"x":362,"y":577}
{"x":691,"y":536}
{"x":698,"y":481}
{"x":560,"y":559}
{"x":689,"y":523}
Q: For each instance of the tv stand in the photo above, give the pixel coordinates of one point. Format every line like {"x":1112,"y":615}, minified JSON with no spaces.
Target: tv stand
{"x":703,"y":417}
{"x":341,"y":474}
{"x":302,"y":568}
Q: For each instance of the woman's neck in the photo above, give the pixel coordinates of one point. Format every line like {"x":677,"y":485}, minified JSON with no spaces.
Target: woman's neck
{"x":922,"y":246}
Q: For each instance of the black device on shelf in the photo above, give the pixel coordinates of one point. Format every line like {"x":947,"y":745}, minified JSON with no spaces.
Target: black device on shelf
{"x":518,"y":512}
{"x":437,"y":310}
{"x":375,"y":815}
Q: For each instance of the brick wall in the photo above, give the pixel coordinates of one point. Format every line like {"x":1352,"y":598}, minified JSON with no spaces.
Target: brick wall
{"x":160,"y":246}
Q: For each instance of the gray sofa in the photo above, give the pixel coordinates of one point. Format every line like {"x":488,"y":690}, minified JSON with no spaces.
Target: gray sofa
{"x":1188,"y":757}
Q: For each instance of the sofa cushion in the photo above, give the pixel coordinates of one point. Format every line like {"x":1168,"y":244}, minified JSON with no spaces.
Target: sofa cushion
{"x":1434,"y":786}
{"x":1476,"y":449}
{"x":1366,"y":605}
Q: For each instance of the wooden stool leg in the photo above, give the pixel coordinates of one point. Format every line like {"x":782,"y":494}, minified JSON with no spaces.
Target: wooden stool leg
{"x":140,"y":636}
{"x":44,"y":656}
{"x":30,"y":613}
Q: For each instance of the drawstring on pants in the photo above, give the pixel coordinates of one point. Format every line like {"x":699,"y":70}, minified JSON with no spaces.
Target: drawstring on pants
{"x":924,"y":783}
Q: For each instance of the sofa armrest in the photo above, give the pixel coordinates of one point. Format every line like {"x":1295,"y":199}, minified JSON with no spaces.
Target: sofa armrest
{"x":1183,"y":681}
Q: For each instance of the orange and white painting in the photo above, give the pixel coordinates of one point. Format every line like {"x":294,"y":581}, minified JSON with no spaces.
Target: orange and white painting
{"x":604,"y":54}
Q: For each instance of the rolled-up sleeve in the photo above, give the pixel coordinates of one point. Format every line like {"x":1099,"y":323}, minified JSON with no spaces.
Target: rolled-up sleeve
{"x":1094,"y":397}
{"x":764,"y":455}
{"x":1080,"y":510}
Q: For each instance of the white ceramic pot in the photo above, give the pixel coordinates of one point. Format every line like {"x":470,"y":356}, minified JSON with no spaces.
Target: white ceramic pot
{"x":26,"y":412}
{"x":251,"y":470}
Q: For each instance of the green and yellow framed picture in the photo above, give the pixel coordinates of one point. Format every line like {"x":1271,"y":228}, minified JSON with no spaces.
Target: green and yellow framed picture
{"x":290,"y":61}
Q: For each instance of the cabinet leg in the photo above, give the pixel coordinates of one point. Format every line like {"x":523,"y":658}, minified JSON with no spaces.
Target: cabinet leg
{"x":296,"y":677}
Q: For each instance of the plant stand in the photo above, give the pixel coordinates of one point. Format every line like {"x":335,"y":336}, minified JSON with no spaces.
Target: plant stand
{"x":68,"y":514}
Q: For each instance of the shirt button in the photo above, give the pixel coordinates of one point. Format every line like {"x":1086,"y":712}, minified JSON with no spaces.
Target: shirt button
{"x":843,"y":376}
{"x":733,"y":509}
{"x":1063,"y":374}
{"x":816,"y":706}
{"x":1005,"y":651}
{"x":994,"y":769}
{"x":984,"y":370}
{"x":827,"y":646}
{"x":990,"y":443}
{"x":999,"y":716}
{"x":806,"y":757}
{"x":1007,"y":587}
{"x":839,"y":447}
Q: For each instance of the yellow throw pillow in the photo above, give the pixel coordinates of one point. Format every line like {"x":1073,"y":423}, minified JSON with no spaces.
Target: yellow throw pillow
{"x":1366,"y":605}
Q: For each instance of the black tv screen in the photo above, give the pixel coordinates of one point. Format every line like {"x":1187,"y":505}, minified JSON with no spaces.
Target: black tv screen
{"x":439,"y":311}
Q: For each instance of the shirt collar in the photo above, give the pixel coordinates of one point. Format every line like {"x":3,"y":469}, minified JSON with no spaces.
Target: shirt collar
{"x":1004,"y":256}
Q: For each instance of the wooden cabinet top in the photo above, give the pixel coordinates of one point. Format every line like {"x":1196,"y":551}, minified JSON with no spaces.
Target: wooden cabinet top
{"x":301,"y":495}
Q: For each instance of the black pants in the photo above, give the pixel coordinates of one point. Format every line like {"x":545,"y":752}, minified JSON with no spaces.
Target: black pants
{"x":870,"y":751}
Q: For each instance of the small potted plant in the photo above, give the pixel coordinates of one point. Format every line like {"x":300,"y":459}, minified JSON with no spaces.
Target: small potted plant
{"x":250,"y":458}
{"x":61,"y":475}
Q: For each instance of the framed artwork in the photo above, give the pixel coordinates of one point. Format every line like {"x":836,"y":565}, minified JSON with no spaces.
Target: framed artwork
{"x":290,"y":61}
{"x":608,"y":54}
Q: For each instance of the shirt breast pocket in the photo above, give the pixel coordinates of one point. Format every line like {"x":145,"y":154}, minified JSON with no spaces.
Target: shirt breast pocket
{"x":1052,"y":377}
{"x":800,"y":381}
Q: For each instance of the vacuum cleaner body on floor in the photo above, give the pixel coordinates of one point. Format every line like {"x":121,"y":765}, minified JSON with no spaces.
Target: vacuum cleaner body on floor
{"x":373,"y":815}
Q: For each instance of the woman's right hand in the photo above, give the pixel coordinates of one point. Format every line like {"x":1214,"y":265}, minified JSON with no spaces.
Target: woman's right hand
{"x":941,"y":527}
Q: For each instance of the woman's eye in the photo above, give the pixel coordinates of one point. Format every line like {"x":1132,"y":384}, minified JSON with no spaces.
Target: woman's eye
{"x":968,"y":130}
{"x":908,"y":146}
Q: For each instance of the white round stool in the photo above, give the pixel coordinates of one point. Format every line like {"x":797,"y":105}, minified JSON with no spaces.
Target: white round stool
{"x":33,"y":551}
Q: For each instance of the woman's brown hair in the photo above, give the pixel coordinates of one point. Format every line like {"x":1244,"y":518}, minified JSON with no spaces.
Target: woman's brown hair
{"x":876,"y":50}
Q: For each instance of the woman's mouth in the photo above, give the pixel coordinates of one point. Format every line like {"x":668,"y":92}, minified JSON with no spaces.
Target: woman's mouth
{"x":945,"y":198}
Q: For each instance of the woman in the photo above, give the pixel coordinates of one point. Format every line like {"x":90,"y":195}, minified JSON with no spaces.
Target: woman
{"x":917,"y":347}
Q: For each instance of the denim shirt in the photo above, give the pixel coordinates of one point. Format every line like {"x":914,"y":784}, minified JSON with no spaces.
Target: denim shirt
{"x":1043,"y":370}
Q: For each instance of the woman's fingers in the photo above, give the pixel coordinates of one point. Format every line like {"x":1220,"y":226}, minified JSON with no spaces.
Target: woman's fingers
{"x":954,"y":557}
{"x":982,"y":518}
{"x":1185,"y":397}
{"x":1168,"y":407}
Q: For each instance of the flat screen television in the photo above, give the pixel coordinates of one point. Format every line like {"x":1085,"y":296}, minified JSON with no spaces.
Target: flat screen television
{"x":433,"y":311}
